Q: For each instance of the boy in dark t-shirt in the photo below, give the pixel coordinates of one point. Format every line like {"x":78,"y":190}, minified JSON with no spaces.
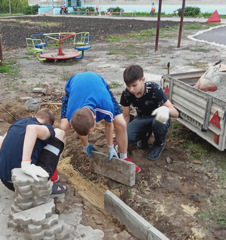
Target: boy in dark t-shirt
{"x":153,"y":111}
{"x":33,"y":145}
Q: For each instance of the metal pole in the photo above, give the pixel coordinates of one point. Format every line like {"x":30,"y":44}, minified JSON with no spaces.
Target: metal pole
{"x":158,"y":26}
{"x":181,"y":24}
{"x":1,"y":57}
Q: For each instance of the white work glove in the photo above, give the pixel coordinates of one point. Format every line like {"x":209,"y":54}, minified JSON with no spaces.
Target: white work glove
{"x":33,"y":170}
{"x":112,"y":153}
{"x":161,"y":114}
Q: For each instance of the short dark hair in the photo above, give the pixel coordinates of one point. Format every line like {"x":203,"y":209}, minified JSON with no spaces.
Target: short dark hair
{"x":132,"y":73}
{"x":46,"y":115}
{"x":82,"y":121}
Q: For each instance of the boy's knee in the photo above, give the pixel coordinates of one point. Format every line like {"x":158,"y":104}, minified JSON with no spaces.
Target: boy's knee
{"x":121,"y":125}
{"x":160,"y":128}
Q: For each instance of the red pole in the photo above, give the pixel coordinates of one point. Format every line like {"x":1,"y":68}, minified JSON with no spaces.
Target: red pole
{"x":181,"y":24}
{"x":1,"y":56}
{"x":158,"y":25}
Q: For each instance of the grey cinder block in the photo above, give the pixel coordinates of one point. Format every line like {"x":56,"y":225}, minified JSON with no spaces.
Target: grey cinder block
{"x":137,"y":224}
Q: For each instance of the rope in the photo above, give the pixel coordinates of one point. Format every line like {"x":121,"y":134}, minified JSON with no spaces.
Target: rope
{"x":9,"y":113}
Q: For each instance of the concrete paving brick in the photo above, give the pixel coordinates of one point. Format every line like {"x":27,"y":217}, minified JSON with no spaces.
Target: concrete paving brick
{"x":33,"y":212}
{"x":49,"y":238}
{"x":24,"y":189}
{"x":22,"y":179}
{"x":24,"y":195}
{"x":76,"y":215}
{"x":55,"y":229}
{"x":42,"y":187}
{"x":33,"y":229}
{"x":39,"y":201}
{"x":23,"y":206}
{"x":86,"y":233}
{"x":119,"y":170}
{"x":15,"y":208}
{"x":38,"y":236}
{"x":21,"y":199}
{"x":67,"y":229}
{"x":36,"y":215}
{"x":52,"y":220}
{"x":11,"y":223}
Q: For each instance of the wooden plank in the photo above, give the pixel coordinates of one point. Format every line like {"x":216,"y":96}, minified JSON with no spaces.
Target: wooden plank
{"x":118,"y":169}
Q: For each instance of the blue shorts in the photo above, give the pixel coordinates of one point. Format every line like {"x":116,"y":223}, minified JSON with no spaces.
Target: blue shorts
{"x":117,"y":108}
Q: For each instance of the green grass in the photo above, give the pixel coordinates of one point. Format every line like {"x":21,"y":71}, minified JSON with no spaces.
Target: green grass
{"x":221,"y":164}
{"x":12,"y":68}
{"x":6,"y":69}
{"x":197,"y":26}
{"x":10,"y":15}
{"x":113,"y":52}
{"x":203,"y":50}
{"x":114,"y":84}
{"x":163,"y":32}
{"x":114,"y":38}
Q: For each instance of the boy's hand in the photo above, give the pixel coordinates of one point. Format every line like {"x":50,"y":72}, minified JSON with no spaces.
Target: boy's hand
{"x":112,"y":153}
{"x":161,"y":114}
{"x":33,"y":170}
{"x":89,"y":148}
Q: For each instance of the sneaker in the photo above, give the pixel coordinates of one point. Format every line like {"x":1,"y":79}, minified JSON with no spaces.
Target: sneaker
{"x":142,"y":144}
{"x":137,"y":168}
{"x":155,"y":152}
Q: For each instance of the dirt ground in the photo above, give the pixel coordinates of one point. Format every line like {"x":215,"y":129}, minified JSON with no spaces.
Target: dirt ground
{"x":184,"y":199}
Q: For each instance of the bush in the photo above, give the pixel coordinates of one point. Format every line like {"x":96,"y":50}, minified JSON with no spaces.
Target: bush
{"x":116,"y":9}
{"x":30,"y":10}
{"x":91,"y":9}
{"x":189,"y":11}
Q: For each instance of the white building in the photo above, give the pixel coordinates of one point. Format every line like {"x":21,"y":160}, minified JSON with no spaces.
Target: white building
{"x":168,"y":6}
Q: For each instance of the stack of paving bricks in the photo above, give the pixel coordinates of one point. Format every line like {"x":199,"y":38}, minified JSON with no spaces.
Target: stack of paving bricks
{"x":33,"y":209}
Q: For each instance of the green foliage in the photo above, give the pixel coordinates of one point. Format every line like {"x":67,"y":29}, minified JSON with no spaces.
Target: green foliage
{"x":116,"y":9}
{"x":189,"y":11}
{"x":16,"y":6}
{"x":30,"y":10}
{"x":83,"y":10}
{"x":6,"y":69}
{"x":114,"y":84}
{"x":221,"y":220}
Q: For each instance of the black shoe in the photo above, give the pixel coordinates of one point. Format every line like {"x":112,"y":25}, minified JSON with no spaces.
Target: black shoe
{"x":142,"y":144}
{"x":155,"y":152}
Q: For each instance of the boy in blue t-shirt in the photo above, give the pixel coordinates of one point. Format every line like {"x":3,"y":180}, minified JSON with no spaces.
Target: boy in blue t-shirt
{"x":33,"y":145}
{"x":89,"y":100}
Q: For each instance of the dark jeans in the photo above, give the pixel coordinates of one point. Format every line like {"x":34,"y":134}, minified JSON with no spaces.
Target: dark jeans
{"x":48,"y":159}
{"x":141,"y":128}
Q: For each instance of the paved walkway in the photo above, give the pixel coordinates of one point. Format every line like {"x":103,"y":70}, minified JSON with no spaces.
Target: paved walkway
{"x":176,"y":19}
{"x":214,"y":36}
